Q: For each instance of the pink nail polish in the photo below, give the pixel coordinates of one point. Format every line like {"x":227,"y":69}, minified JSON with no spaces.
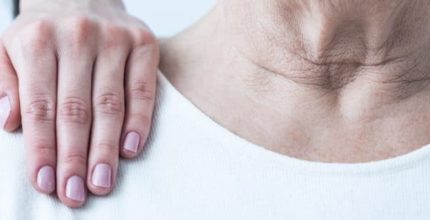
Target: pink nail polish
{"x":102,"y":176}
{"x":46,"y":179}
{"x":75,"y":189}
{"x":4,"y":110}
{"x":131,"y":142}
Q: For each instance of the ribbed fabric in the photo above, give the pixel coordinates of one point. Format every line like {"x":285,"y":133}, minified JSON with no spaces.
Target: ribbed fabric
{"x":195,"y":169}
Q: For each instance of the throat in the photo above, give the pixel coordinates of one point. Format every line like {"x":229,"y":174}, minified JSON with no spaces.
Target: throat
{"x":296,"y":100}
{"x":331,"y":43}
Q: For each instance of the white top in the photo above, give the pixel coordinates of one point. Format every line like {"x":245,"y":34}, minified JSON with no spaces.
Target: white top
{"x":195,"y":169}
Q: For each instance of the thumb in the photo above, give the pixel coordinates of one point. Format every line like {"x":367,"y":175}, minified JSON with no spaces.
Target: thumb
{"x":10,"y":117}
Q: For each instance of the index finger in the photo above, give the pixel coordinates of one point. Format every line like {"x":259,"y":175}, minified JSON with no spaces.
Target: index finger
{"x":36,"y":70}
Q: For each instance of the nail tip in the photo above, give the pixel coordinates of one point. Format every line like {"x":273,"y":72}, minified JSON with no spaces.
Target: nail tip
{"x":75,"y":189}
{"x":102,"y":176}
{"x":101,"y":185}
{"x":46,"y":179}
{"x":131,"y":142}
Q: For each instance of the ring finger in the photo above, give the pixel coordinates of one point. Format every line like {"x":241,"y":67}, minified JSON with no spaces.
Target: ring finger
{"x":108,"y":111}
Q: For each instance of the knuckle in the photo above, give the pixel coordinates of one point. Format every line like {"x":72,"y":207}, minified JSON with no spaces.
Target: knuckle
{"x":141,"y":91}
{"x":75,"y":158}
{"x":81,"y":28}
{"x":115,"y":30}
{"x":74,"y":110}
{"x":143,"y":36}
{"x":80,"y":22}
{"x":115,"y":37}
{"x":34,"y":37}
{"x":109,"y":103}
{"x":45,"y":150}
{"x":107,"y":149}
{"x":38,"y":27}
{"x":40,"y":109}
{"x":141,"y":118}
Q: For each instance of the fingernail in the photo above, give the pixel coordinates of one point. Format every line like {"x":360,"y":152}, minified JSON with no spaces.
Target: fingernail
{"x":4,"y":110}
{"x":131,"y":142}
{"x":46,"y":179}
{"x":75,"y":189}
{"x":102,"y":176}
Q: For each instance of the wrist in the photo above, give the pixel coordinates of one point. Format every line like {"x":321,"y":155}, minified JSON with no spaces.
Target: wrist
{"x":28,"y":5}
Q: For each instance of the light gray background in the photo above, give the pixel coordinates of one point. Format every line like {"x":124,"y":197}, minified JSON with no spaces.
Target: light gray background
{"x":165,"y":17}
{"x":5,"y":13}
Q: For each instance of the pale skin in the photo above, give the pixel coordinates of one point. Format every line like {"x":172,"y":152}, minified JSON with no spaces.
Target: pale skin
{"x":332,"y":81}
{"x":87,"y":78}
{"x":318,"y":91}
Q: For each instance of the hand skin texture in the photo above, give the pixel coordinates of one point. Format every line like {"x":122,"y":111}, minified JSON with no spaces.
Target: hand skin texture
{"x":86,"y":72}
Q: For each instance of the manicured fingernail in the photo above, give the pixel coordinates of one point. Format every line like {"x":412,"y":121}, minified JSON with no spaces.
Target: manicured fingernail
{"x":131,"y":142}
{"x":46,"y":179}
{"x":4,"y":110}
{"x":75,"y":189}
{"x":102,"y":176}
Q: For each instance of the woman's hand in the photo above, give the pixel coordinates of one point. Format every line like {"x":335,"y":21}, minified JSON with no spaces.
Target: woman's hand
{"x":87,"y":76}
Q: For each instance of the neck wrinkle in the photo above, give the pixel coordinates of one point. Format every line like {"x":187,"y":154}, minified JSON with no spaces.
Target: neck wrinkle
{"x":328,"y":43}
{"x":250,"y":60}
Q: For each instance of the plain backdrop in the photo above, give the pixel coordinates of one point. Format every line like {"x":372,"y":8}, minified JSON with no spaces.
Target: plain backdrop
{"x":5,"y":13}
{"x":165,"y":17}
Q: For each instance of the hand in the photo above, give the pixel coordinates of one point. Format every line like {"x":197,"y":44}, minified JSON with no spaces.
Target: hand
{"x":87,"y":82}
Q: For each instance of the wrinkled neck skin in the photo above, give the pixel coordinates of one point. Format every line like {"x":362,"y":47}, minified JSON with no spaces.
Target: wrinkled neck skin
{"x":329,"y":80}
{"x":330,"y":43}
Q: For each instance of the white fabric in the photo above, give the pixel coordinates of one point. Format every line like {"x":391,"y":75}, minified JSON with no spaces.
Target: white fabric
{"x":195,"y":169}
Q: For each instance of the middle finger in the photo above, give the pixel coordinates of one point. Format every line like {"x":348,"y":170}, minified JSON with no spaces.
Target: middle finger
{"x":73,"y":122}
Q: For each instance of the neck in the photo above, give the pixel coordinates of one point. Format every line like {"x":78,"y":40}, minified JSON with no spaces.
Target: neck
{"x":328,"y":43}
{"x":313,"y":71}
{"x":340,"y":48}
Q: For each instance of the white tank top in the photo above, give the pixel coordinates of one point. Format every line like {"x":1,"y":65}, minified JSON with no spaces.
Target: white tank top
{"x":195,"y":169}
